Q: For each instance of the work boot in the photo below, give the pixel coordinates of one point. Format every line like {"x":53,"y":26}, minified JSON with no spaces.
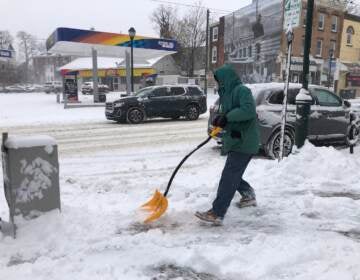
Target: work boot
{"x":246,"y":202}
{"x":210,"y":217}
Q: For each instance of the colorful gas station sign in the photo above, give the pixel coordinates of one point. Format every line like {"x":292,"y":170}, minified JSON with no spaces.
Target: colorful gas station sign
{"x":80,"y":42}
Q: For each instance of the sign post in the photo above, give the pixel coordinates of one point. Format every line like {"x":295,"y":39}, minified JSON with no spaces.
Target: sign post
{"x":291,"y":20}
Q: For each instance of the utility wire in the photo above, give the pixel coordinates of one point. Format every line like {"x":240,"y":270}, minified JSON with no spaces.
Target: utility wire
{"x":189,"y":5}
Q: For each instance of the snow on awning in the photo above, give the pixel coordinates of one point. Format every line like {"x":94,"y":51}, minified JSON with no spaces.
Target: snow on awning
{"x":80,"y":42}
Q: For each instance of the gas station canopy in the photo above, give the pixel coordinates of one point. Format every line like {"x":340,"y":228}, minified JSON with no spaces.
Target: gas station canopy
{"x":69,"y":41}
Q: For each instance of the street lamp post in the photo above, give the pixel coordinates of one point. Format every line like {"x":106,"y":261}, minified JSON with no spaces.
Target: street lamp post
{"x":331,"y":53}
{"x":304,"y":99}
{"x":132,"y":33}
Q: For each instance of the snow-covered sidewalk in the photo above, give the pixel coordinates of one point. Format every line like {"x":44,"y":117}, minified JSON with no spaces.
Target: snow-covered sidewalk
{"x":307,"y":224}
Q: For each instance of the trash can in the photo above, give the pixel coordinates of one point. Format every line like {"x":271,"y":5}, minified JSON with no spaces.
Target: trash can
{"x":31,"y":175}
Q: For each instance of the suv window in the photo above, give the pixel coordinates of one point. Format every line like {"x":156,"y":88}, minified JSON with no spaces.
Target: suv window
{"x":326,"y":98}
{"x":277,"y":97}
{"x":177,"y":90}
{"x":161,"y":92}
{"x":194,"y":91}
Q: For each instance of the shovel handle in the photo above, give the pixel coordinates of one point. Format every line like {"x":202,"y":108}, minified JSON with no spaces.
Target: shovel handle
{"x":213,"y":133}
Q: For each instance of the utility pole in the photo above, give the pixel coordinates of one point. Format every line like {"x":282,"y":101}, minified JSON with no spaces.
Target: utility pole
{"x":304,"y":99}
{"x":207,"y":51}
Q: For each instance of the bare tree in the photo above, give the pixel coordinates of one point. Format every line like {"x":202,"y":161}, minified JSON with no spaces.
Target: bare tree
{"x":191,"y":35}
{"x":353,"y":6}
{"x":165,"y":19}
{"x":8,"y":74}
{"x":5,"y":38}
{"x":27,"y":48}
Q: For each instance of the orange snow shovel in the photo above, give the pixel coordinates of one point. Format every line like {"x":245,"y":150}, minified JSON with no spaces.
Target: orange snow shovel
{"x":158,"y":204}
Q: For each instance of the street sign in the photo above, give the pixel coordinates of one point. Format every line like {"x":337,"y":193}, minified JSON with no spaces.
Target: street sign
{"x":5,"y":53}
{"x":292,"y":13}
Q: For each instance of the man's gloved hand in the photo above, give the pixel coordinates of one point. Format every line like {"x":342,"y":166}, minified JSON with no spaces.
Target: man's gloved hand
{"x":220,"y":121}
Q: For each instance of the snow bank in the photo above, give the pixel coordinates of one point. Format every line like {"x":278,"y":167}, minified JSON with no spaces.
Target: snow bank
{"x":306,"y":226}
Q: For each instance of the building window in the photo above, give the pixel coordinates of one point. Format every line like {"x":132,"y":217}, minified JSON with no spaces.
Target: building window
{"x":321,"y":22}
{"x":319,"y":44}
{"x":304,"y":18}
{"x":240,"y":53}
{"x":250,"y":51}
{"x":303,"y":45}
{"x":244,"y":52}
{"x":334,"y":23}
{"x":215,"y":34}
{"x":332,"y":48}
{"x":349,"y":34}
{"x":214,"y":55}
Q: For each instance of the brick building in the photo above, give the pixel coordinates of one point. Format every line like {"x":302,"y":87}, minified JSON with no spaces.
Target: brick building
{"x":325,"y":43}
{"x":253,"y":40}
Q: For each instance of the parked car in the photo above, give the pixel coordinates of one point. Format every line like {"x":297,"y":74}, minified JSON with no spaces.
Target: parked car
{"x":329,"y":120}
{"x":166,"y":101}
{"x":14,"y":89}
{"x":88,"y":88}
{"x":54,"y":86}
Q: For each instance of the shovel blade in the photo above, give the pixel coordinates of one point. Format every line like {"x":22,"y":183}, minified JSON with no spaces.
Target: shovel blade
{"x":157,"y":205}
{"x":153,"y":202}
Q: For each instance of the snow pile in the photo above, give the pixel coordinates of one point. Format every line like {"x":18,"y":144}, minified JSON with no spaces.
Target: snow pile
{"x":307,"y":224}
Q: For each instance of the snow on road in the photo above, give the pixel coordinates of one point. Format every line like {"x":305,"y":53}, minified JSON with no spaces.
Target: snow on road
{"x":307,"y":224}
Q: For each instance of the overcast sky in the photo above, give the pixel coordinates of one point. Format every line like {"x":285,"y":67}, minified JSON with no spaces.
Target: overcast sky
{"x":42,"y":17}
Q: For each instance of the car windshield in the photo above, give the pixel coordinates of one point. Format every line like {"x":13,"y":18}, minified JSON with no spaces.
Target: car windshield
{"x":143,"y":92}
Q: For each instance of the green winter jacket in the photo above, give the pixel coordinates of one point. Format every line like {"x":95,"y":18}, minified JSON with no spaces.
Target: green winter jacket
{"x":237,"y":103}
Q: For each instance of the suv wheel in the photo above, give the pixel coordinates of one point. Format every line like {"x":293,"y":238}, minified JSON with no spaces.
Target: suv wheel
{"x":273,"y":146}
{"x":135,"y":116}
{"x":192,"y":113}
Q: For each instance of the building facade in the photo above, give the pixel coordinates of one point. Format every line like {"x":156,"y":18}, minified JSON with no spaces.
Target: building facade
{"x":325,"y":44}
{"x":348,"y":72}
{"x":253,"y":40}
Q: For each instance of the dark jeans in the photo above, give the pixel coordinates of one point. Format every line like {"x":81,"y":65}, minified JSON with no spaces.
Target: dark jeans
{"x":232,"y":181}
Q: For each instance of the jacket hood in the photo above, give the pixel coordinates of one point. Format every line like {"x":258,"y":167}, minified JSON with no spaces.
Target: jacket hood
{"x":227,"y":78}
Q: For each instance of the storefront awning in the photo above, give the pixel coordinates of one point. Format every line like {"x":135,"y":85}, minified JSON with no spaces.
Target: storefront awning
{"x":78,"y":42}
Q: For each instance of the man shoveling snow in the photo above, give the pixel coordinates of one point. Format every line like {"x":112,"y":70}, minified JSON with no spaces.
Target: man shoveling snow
{"x":240,"y":142}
